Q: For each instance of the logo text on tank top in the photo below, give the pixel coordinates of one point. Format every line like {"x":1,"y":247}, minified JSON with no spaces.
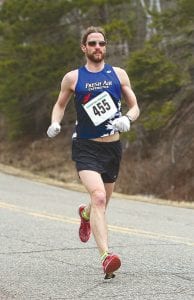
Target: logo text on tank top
{"x":98,"y":85}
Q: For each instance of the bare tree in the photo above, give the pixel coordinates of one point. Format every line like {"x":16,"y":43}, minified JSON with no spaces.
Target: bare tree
{"x":153,"y":5}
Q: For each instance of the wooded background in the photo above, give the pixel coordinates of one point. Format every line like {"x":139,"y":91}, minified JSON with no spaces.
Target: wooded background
{"x":153,"y":40}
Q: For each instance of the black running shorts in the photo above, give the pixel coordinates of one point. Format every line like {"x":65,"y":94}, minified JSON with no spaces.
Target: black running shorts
{"x":102,"y":157}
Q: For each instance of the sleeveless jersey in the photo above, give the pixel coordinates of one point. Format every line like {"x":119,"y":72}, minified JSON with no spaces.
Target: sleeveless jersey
{"x":97,"y":102}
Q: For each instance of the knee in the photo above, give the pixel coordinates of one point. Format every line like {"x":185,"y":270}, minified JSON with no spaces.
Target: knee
{"x":99,"y":198}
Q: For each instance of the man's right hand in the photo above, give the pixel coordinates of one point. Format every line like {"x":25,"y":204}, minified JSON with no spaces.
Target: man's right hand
{"x":53,"y":129}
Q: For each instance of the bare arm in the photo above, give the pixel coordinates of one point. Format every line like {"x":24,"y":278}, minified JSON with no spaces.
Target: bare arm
{"x":67,"y":89}
{"x":128,"y":94}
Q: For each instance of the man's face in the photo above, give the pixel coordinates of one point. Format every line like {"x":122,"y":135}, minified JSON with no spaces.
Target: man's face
{"x":95,"y":47}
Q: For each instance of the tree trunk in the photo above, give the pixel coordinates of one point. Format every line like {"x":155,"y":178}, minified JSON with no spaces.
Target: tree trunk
{"x":154,"y":5}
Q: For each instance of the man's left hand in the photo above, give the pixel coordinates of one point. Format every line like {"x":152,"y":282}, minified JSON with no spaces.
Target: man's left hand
{"x":122,"y":124}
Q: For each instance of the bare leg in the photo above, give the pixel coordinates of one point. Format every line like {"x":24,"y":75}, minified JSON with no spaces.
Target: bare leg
{"x":109,"y":187}
{"x":99,"y":200}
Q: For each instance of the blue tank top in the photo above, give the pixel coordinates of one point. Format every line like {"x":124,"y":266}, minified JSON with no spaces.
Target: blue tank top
{"x":90,"y":85}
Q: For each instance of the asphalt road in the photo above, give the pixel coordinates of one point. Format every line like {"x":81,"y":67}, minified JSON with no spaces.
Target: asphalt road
{"x":42,"y":258}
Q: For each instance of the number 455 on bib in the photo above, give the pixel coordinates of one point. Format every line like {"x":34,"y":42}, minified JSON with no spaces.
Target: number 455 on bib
{"x":100,"y":108}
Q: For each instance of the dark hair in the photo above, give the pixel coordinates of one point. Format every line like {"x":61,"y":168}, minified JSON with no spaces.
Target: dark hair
{"x":89,"y":30}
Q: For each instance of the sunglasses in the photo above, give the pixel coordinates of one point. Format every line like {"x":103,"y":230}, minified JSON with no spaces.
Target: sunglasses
{"x":94,"y":43}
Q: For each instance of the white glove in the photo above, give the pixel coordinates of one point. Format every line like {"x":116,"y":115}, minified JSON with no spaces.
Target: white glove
{"x":53,"y":129}
{"x":122,"y":124}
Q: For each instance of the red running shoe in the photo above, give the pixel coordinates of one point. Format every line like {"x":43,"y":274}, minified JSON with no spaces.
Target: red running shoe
{"x":84,"y":229}
{"x":111,"y":263}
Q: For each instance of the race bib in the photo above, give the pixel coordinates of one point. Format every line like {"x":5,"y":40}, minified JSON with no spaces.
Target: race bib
{"x":100,"y":108}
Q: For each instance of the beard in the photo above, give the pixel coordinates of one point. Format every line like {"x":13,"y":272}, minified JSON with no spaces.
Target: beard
{"x":96,"y":57}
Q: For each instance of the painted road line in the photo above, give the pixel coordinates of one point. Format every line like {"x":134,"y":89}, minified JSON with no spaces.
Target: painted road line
{"x":120,"y":229}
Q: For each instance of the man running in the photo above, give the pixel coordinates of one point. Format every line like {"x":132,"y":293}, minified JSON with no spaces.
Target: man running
{"x":96,"y":149}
